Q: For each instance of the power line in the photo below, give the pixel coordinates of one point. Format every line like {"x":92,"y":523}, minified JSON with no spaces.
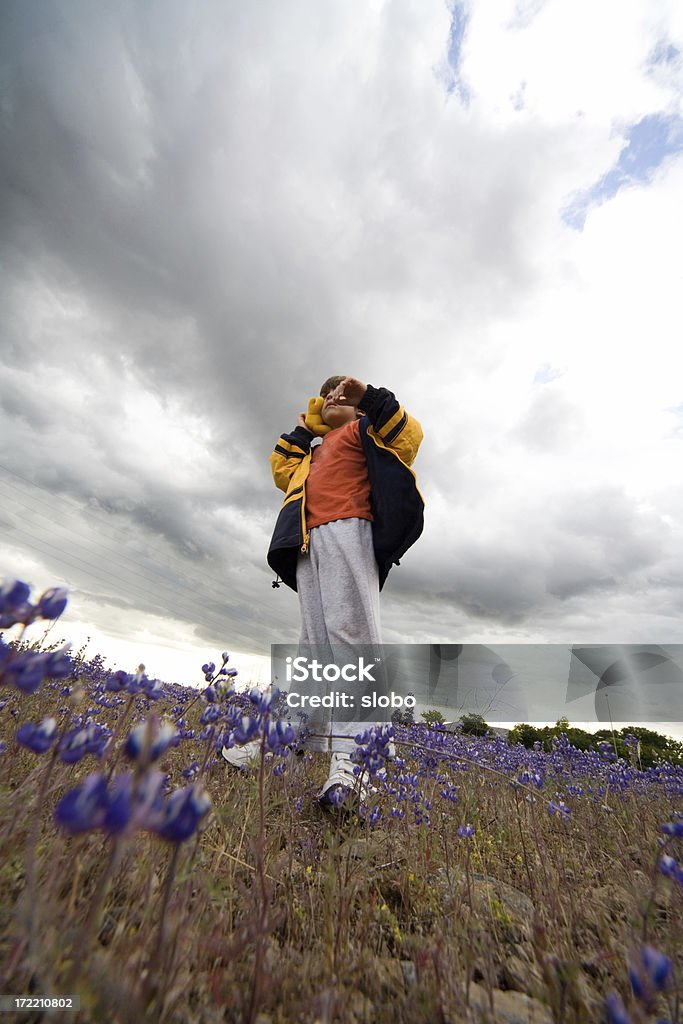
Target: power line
{"x":117,"y":554}
{"x":200,"y":589}
{"x":94,"y":573}
{"x":177,"y":605}
{"x":100,"y":525}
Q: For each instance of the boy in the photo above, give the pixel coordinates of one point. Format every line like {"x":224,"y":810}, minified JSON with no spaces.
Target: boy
{"x":352,"y":509}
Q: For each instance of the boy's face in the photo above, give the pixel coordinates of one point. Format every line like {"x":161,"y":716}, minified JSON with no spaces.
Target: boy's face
{"x":336,"y":415}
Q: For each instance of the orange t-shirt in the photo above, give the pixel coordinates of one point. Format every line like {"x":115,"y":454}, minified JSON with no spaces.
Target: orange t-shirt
{"x":338,"y":486}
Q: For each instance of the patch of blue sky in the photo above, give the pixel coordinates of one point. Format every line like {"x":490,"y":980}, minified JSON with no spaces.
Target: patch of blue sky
{"x":546,"y":373}
{"x":677,"y":410}
{"x":455,"y":83}
{"x":664,"y":53}
{"x":649,"y":143}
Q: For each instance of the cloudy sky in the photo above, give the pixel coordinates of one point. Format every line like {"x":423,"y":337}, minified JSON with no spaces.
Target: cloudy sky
{"x":208,"y":208}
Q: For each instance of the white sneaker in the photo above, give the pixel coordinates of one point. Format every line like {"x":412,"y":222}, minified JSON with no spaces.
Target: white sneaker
{"x":341,"y":783}
{"x":243,"y":757}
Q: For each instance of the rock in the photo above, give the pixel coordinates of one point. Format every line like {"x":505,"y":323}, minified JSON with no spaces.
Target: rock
{"x":519,"y":975}
{"x":508,"y":1007}
{"x":511,"y":909}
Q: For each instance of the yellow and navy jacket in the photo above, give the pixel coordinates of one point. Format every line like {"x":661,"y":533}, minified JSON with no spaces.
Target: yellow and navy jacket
{"x":390,"y":439}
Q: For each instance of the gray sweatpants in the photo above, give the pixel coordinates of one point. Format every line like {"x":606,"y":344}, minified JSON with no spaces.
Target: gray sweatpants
{"x":338,"y":587}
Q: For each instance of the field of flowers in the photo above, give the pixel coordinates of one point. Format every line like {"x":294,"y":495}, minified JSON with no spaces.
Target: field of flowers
{"x":479,"y":882}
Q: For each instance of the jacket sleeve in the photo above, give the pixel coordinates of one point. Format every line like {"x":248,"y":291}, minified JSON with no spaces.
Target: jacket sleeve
{"x":289,"y":451}
{"x":392,"y":423}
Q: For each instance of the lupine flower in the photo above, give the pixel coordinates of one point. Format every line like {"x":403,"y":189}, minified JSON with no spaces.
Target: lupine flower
{"x":672,"y":828}
{"x":615,"y":1010}
{"x":15,"y":608}
{"x":245,"y":731}
{"x":265,"y":703}
{"x":211,"y":714}
{"x":52,"y":603}
{"x":182,"y":813}
{"x":149,"y":740}
{"x":279,"y":736}
{"x":657,"y":966}
{"x":88,"y":739}
{"x":117,"y":681}
{"x":649,"y":974}
{"x":559,"y":808}
{"x":338,"y":794}
{"x":37,"y":738}
{"x":26,"y":669}
{"x":374,"y":816}
{"x":670,"y":868}
{"x":85,"y":807}
{"x":466,"y":831}
{"x":128,"y":803}
{"x":373,"y":747}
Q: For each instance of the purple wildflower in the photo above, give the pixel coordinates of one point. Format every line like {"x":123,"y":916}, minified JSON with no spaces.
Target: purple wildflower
{"x":466,"y":831}
{"x":37,"y":738}
{"x":338,"y":794}
{"x":670,"y":868}
{"x":52,"y":603}
{"x":560,"y":808}
{"x":673,"y":828}
{"x":26,"y":669}
{"x":245,"y":731}
{"x":148,"y":740}
{"x":373,"y":748}
{"x":182,"y":813}
{"x":279,"y":736}
{"x":649,"y":973}
{"x":84,"y":807}
{"x":657,"y":967}
{"x":211,"y":714}
{"x":128,"y":803}
{"x":117,"y":681}
{"x":615,"y":1010}
{"x":89,"y":739}
{"x":265,"y":702}
{"x":15,"y":608}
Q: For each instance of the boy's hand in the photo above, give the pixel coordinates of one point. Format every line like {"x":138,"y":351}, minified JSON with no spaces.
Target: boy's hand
{"x":301,"y":421}
{"x":349,"y":392}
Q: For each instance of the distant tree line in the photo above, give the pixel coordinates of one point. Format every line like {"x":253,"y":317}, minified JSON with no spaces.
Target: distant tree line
{"x":651,"y":746}
{"x":642,"y":747}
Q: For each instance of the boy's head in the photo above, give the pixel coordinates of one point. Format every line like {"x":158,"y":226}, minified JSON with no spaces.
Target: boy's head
{"x":333,"y":413}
